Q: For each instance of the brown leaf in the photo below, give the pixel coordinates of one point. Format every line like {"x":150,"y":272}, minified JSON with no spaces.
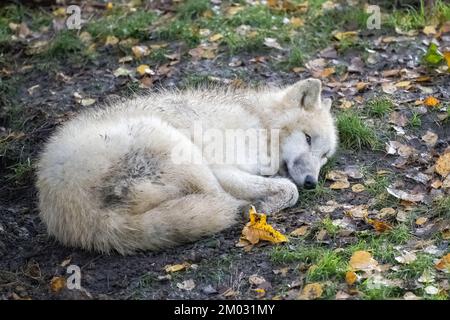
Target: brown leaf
{"x":443,"y":165}
{"x":300,"y":231}
{"x":57,"y":284}
{"x":311,"y":291}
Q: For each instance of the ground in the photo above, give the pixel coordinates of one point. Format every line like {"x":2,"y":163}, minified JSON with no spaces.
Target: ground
{"x":377,"y":227}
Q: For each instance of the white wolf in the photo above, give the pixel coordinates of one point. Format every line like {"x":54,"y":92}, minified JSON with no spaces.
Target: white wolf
{"x":107,"y":179}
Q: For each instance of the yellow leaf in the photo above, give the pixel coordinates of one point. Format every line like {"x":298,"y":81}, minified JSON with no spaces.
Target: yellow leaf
{"x":57,"y":284}
{"x":297,"y":22}
{"x":346,"y":35}
{"x":358,"y":188}
{"x":431,"y":101}
{"x":260,"y":293}
{"x":362,"y":260}
{"x":443,"y":165}
{"x":176,"y":267}
{"x":350,"y":277}
{"x":144,"y":69}
{"x":109,"y":6}
{"x":311,"y":291}
{"x":231,"y":11}
{"x":111,"y":41}
{"x":140,"y":51}
{"x":338,"y":185}
{"x":258,"y":229}
{"x":420,"y":221}
{"x":60,"y":12}
{"x":216,"y":37}
{"x":447,"y":58}
{"x":444,"y":263}
{"x":428,"y":30}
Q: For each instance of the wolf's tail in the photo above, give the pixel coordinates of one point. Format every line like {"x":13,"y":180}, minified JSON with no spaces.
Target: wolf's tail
{"x":174,"y":222}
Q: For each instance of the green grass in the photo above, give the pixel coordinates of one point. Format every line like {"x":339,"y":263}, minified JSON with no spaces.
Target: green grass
{"x":415,"y":269}
{"x":64,"y":45}
{"x":441,"y":207}
{"x":379,"y":107}
{"x":417,"y":18}
{"x":20,"y":172}
{"x":415,"y":121}
{"x":192,"y":9}
{"x":354,"y":133}
{"x":328,"y":225}
{"x":123,"y":25}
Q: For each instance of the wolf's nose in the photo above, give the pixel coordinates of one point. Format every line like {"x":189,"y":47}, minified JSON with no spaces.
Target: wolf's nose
{"x":310,"y":182}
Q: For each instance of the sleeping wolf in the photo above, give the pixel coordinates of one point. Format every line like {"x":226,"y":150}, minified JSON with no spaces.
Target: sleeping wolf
{"x":110,"y":179}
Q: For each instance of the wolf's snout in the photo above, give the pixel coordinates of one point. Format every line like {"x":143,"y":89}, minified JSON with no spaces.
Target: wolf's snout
{"x":310,"y":182}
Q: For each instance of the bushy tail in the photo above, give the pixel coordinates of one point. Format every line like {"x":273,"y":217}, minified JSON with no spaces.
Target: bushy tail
{"x":173,"y":222}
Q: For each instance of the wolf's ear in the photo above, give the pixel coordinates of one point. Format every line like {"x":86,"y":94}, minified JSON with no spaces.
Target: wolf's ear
{"x":305,"y":93}
{"x":326,"y":104}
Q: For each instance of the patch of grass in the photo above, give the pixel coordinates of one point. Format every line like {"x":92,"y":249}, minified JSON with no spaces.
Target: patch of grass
{"x":416,"y":268}
{"x":379,"y":293}
{"x":179,"y":30}
{"x":64,"y":45}
{"x":415,"y":121}
{"x":192,"y":9}
{"x":20,"y":172}
{"x":329,"y":266}
{"x":301,"y":253}
{"x":308,"y":197}
{"x":381,"y":246}
{"x":354,"y":133}
{"x":441,"y":207}
{"x":123,"y":25}
{"x":379,"y":107}
{"x":328,"y":225}
{"x":417,"y":18}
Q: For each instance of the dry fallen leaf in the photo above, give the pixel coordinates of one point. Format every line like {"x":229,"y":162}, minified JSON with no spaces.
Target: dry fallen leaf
{"x":430,"y":138}
{"x":144,"y":69}
{"x":350,"y":277}
{"x":406,"y":257}
{"x":420,"y":221}
{"x":57,"y":284}
{"x":352,"y":35}
{"x":187,"y":285}
{"x":444,"y":263}
{"x":358,"y":188}
{"x":140,"y":51}
{"x":362,"y":260}
{"x":256,"y":280}
{"x":443,"y":165}
{"x":311,"y":291}
{"x":272,"y":43}
{"x":378,"y":225}
{"x":258,"y":229}
{"x":176,"y":267}
{"x":111,"y":41}
{"x":299,"y":231}
{"x":403,"y":195}
{"x":338,"y":185}
{"x":431,"y":101}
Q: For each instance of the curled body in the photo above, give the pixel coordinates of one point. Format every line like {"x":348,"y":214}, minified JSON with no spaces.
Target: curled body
{"x":110,"y":179}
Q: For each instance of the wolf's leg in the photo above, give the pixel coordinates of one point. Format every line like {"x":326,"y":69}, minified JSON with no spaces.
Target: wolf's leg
{"x":270,"y":194}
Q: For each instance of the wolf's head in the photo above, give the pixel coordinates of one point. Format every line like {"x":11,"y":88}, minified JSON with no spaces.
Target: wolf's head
{"x":308,"y":136}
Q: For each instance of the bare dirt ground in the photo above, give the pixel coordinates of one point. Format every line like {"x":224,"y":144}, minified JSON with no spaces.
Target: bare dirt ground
{"x":39,"y":91}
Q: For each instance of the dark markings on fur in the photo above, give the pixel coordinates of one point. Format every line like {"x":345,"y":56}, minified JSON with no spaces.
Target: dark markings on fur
{"x":135,"y":166}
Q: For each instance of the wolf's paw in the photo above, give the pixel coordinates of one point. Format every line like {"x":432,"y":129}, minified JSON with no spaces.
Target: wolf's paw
{"x":284,"y":194}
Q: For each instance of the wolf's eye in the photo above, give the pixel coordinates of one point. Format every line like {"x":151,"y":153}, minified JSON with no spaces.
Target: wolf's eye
{"x":308,"y":138}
